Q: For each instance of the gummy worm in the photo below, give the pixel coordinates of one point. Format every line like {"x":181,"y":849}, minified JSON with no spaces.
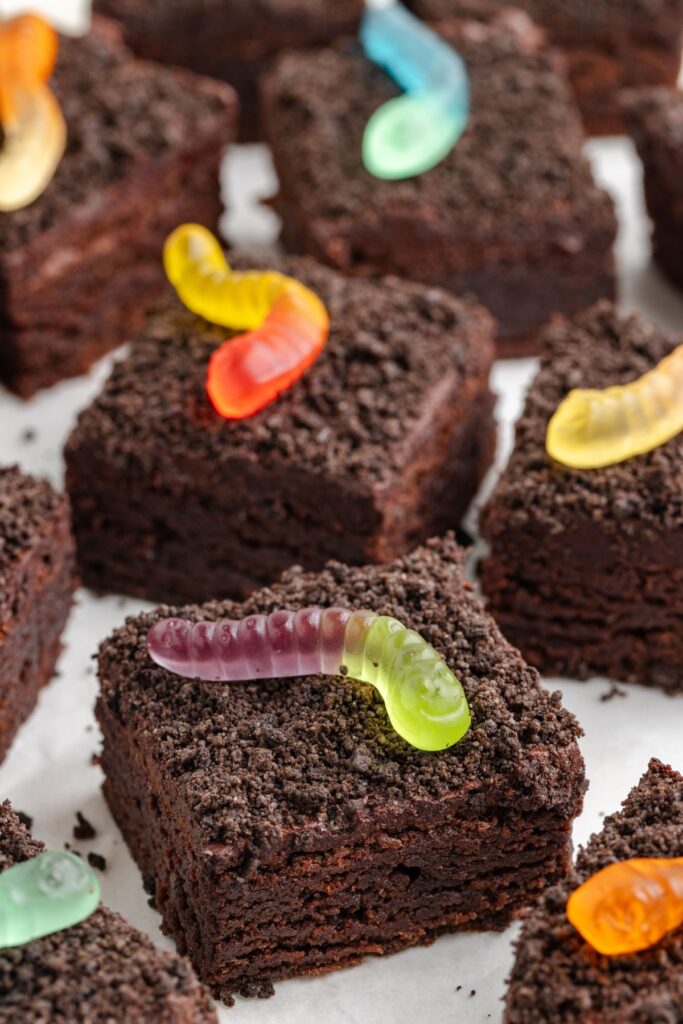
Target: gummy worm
{"x":425,"y":702}
{"x":288,"y":325}
{"x":629,"y":906}
{"x":32,"y":123}
{"x":46,"y":894}
{"x":592,"y":429}
{"x":414,"y":132}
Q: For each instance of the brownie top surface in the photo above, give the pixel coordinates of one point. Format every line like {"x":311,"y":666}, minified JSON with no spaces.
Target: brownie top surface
{"x":97,"y":972}
{"x":395,"y":349}
{"x":516,"y":175}
{"x":655,"y":118}
{"x":598,"y":349}
{"x":254,"y":763}
{"x":122,"y":115}
{"x":612,"y":15}
{"x":558,"y":976}
{"x":28,"y":507}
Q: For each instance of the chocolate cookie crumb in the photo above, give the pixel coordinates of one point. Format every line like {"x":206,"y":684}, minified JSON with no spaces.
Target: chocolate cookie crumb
{"x":83,"y":829}
{"x":96,"y":860}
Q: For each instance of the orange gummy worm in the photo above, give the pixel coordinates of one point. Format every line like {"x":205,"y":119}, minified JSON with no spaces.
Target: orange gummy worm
{"x":629,"y":906}
{"x":28,"y":53}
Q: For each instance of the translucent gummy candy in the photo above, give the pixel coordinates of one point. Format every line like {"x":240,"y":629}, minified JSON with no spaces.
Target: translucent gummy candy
{"x":32,"y":123}
{"x":592,"y":429}
{"x":46,"y":894}
{"x":630,"y":905}
{"x":425,"y":701}
{"x":412,"y":133}
{"x":288,"y":324}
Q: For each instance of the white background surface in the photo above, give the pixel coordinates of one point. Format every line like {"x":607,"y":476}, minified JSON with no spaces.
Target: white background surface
{"x":48,"y":773}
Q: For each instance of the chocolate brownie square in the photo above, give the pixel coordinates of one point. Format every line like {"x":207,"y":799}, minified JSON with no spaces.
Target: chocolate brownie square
{"x":608,"y":45}
{"x":380,"y":445}
{"x":585,"y":572}
{"x":512,"y":215}
{"x":37,"y":581}
{"x":286,"y":829}
{"x":656,"y":122}
{"x":236,"y":40}
{"x":557,"y":976}
{"x":101,"y":971}
{"x":80,"y":266}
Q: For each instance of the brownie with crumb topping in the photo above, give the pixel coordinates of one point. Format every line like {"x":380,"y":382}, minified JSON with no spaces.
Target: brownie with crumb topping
{"x":236,"y":40}
{"x":286,"y":829}
{"x":557,"y":976}
{"x":101,"y":971}
{"x":511,"y":215}
{"x":655,"y":120}
{"x":382,"y":443}
{"x":585,"y":572}
{"x":37,"y":582}
{"x":80,"y":266}
{"x":608,"y":45}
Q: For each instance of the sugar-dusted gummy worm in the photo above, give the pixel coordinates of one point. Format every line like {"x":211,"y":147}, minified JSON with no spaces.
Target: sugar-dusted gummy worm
{"x":425,"y":702}
{"x":46,"y":894}
{"x":630,"y":905}
{"x":32,"y":123}
{"x":412,"y":133}
{"x":592,"y":429}
{"x":288,"y":325}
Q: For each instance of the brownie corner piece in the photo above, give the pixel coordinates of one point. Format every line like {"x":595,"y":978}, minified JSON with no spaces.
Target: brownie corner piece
{"x":288,"y":830}
{"x":557,"y":976}
{"x":81,"y":265}
{"x":655,"y":121}
{"x":381,"y":444}
{"x":512,"y":215}
{"x":585,"y":570}
{"x":102,"y":970}
{"x":37,"y":582}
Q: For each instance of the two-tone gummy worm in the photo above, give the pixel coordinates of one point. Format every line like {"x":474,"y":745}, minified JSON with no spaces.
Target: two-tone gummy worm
{"x":32,"y":123}
{"x":425,"y":702}
{"x":287,"y":324}
{"x":629,"y":906}
{"x":46,"y":894}
{"x":414,"y":132}
{"x":592,"y":429}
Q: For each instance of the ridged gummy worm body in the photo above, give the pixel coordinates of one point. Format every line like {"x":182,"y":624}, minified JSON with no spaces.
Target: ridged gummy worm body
{"x":33,"y":126}
{"x":425,"y":701}
{"x":287,"y":323}
{"x":43,"y":895}
{"x":592,"y":429}
{"x":630,"y":905}
{"x":412,"y":133}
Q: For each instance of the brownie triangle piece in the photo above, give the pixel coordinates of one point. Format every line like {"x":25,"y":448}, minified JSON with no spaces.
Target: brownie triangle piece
{"x":557,"y":976}
{"x":101,"y":971}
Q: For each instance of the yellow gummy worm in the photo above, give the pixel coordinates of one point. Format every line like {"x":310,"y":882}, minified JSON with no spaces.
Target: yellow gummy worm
{"x":592,"y":429}
{"x":198,"y":270}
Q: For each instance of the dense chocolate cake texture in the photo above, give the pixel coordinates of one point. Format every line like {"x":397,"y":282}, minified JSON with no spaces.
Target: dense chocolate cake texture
{"x":37,"y":581}
{"x":585,"y":573}
{"x":236,"y":40}
{"x":380,"y":445}
{"x":81,"y":265}
{"x":557,"y":976}
{"x":101,"y":971}
{"x":608,"y":45}
{"x":286,"y":829}
{"x":655,"y":119}
{"x":511,"y":215}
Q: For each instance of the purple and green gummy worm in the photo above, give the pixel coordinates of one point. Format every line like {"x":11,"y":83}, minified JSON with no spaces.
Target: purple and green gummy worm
{"x":425,"y":701}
